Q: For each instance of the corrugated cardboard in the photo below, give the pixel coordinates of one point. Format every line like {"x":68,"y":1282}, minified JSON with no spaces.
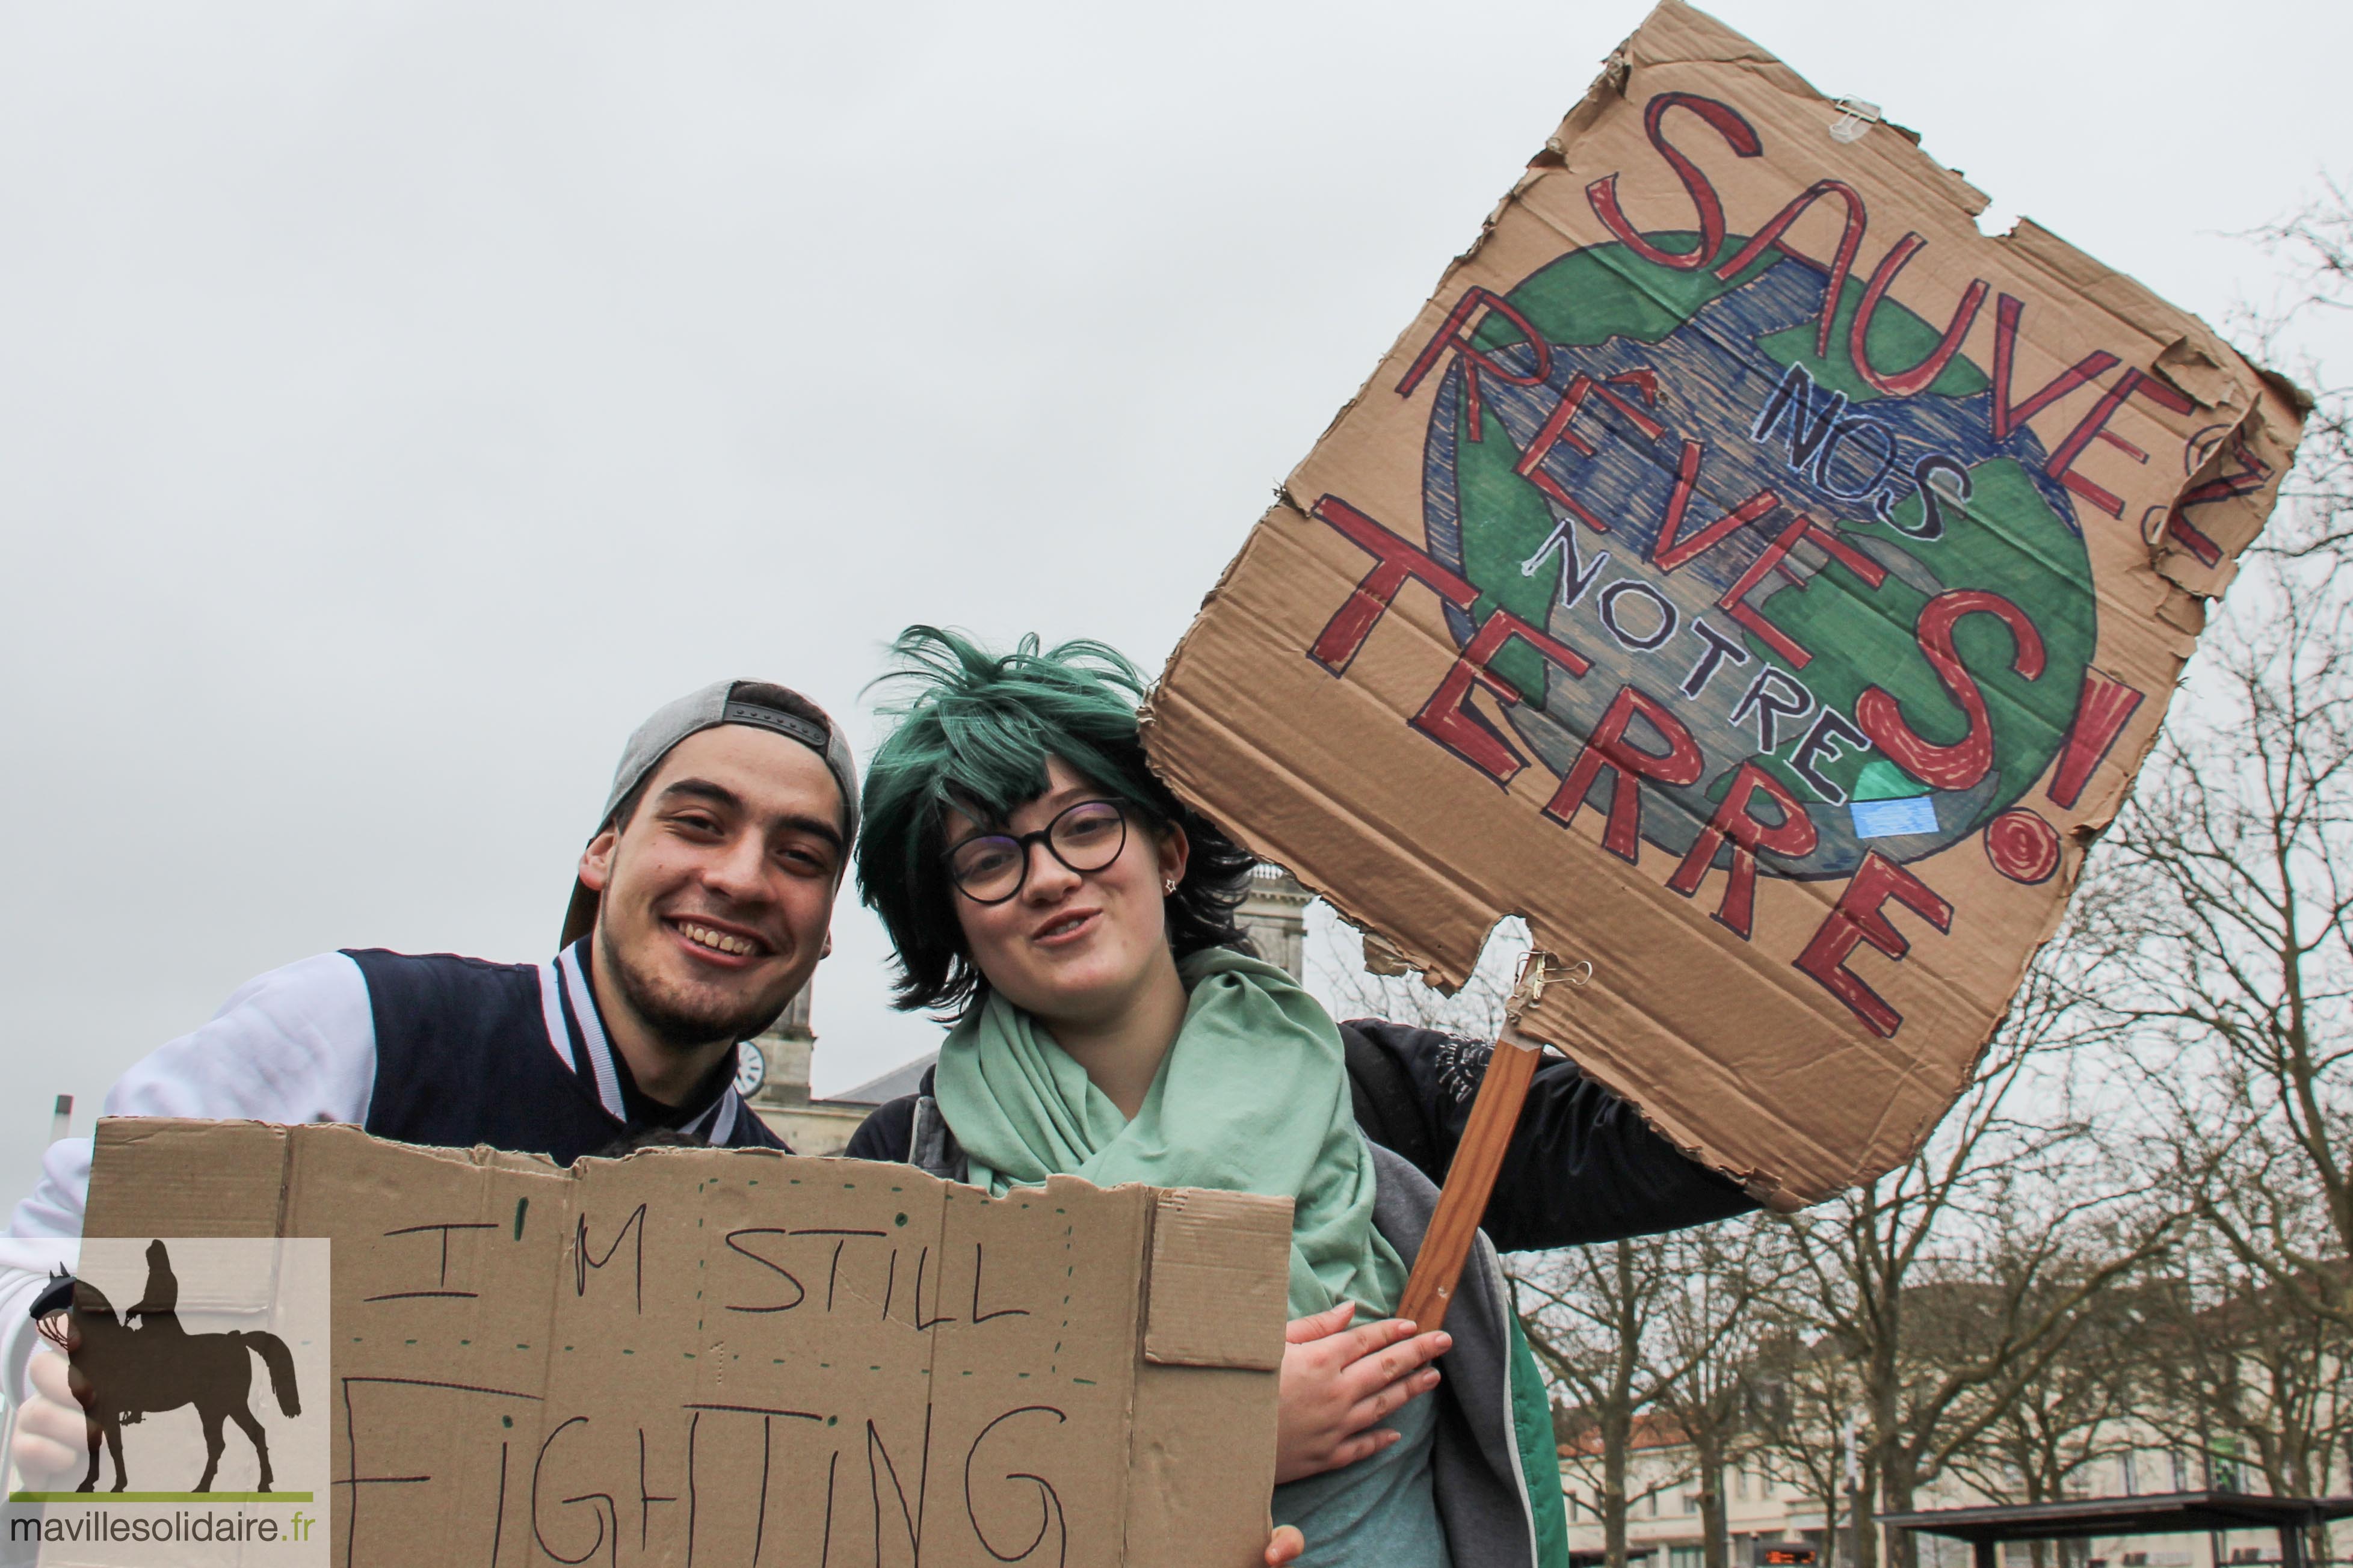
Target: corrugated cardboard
{"x":738,"y":1357}
{"x":1753,"y":575}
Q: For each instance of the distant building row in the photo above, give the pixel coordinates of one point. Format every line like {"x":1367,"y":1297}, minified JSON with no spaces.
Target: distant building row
{"x":1763,"y":1512}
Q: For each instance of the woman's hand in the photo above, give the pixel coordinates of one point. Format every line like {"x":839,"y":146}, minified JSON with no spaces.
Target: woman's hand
{"x":1337,"y":1382}
{"x":1284,"y":1545}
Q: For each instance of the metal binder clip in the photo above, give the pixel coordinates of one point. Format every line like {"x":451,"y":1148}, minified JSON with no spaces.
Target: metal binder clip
{"x":1856,"y":116}
{"x":1529,"y":985}
{"x":1538,"y":970}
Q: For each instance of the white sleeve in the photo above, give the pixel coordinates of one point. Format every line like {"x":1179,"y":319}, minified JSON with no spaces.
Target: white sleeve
{"x":295,"y":1045}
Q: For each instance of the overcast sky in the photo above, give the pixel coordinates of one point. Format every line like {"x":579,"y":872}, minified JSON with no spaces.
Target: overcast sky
{"x":397,"y":401}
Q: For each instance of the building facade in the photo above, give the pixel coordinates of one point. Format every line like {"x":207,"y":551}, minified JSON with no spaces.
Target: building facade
{"x":1763,"y":1509}
{"x":1274,"y":916}
{"x":774,"y":1078}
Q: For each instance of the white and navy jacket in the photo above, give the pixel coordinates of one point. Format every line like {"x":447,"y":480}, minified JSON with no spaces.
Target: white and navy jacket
{"x":431,"y":1048}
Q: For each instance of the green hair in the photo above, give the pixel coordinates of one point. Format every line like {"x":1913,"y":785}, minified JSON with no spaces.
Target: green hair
{"x":973,"y":731}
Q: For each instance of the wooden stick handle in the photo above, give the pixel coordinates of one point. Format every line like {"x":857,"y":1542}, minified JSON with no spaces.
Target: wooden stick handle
{"x":1495,"y":1115}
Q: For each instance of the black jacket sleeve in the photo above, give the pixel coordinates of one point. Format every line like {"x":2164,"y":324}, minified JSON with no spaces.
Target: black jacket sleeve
{"x":887,"y":1133}
{"x":1582,"y":1167}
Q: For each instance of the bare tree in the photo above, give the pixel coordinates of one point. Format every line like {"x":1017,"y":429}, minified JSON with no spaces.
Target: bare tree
{"x":1591,"y":1315}
{"x":1663,"y":1334}
{"x":1952,"y":1283}
{"x":1807,"y":1416}
{"x":2079,"y":1411}
{"x":2244,"y":1374}
{"x":2315,"y":245}
{"x":1711,"y":1326}
{"x":2227,"y":939}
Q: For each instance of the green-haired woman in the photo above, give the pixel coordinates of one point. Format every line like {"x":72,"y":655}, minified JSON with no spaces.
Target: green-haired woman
{"x":1044,"y":888}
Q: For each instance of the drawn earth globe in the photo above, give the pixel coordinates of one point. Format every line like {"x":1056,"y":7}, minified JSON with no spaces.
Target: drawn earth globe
{"x":1717,"y":350}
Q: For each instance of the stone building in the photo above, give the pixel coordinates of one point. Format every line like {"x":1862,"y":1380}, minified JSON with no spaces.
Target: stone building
{"x":1275,"y":916}
{"x":773,"y":1074}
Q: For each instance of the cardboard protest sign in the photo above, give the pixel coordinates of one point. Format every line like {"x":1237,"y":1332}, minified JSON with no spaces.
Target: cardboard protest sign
{"x":732,"y":1356}
{"x":1753,"y":575}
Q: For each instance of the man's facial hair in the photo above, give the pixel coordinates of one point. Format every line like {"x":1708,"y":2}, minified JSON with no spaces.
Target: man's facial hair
{"x":675,"y":1027}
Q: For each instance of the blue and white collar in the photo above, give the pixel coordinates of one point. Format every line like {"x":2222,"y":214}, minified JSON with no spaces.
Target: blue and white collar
{"x":576,"y":1032}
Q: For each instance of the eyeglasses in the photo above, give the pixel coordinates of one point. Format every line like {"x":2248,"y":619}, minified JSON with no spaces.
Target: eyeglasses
{"x":991,"y":868}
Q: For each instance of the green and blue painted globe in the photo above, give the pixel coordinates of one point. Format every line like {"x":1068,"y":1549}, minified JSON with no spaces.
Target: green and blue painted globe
{"x":1719,"y":349}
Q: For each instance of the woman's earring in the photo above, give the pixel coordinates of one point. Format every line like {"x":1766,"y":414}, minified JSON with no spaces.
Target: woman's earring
{"x":1169,"y":886}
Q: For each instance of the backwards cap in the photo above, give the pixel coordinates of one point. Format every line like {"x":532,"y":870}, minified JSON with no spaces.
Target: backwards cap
{"x":755,"y":702}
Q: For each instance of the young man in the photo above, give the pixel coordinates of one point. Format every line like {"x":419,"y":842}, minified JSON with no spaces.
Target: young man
{"x":703,"y":904}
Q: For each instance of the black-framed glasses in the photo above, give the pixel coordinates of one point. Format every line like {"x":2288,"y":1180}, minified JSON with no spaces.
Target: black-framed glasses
{"x":990,"y":867}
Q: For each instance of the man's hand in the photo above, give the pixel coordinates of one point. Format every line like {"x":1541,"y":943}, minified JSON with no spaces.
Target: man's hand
{"x":52,"y":1433}
{"x":1337,"y":1382}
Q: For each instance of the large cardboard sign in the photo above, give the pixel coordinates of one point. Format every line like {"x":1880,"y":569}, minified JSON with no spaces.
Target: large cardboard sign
{"x":729,"y":1356}
{"x":1757,"y":577}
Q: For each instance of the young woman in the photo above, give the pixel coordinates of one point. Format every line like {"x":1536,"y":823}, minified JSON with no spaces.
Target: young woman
{"x":1046,"y":890}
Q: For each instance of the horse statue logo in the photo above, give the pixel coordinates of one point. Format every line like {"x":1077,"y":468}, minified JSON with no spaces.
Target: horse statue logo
{"x":121,"y":1372}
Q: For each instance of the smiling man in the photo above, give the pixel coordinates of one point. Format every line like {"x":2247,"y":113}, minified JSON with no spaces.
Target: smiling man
{"x":701,"y":906}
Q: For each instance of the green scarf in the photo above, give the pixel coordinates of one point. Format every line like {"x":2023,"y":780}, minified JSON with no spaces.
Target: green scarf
{"x":1253,"y":1097}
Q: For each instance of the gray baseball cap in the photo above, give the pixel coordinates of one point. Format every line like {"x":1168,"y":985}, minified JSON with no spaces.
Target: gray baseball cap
{"x":755,"y":702}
